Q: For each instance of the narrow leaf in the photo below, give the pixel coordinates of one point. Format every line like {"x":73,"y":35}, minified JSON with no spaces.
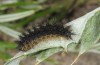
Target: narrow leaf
{"x":10,"y":32}
{"x":16,"y":59}
{"x":8,"y":1}
{"x":15,"y":16}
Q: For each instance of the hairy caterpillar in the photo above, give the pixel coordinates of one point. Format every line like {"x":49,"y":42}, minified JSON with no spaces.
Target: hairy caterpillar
{"x":42,"y":34}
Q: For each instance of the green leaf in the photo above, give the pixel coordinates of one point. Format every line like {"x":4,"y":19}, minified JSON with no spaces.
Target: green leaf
{"x":10,"y":32}
{"x":79,"y":25}
{"x":19,"y":4}
{"x":47,"y":53}
{"x":91,"y":33}
{"x":7,"y":1}
{"x":15,"y":16}
{"x":4,"y":56}
{"x":6,"y":45}
{"x":16,"y":59}
{"x":73,"y":47}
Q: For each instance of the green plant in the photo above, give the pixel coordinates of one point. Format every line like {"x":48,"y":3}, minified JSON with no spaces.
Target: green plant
{"x":24,"y":12}
{"x":8,"y":25}
{"x":87,"y":32}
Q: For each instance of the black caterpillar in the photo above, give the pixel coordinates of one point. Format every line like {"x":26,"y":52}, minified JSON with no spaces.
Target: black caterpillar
{"x":28,"y":41}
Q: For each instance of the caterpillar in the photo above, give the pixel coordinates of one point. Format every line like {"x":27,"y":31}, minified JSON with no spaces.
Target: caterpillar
{"x":36,"y":35}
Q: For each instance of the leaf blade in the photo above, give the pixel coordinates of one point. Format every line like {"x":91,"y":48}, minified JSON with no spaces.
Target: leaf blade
{"x":10,"y":32}
{"x":91,"y":33}
{"x":15,"y":16}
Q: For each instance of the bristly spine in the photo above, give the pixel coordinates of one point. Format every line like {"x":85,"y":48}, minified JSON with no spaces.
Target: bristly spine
{"x":28,"y":40}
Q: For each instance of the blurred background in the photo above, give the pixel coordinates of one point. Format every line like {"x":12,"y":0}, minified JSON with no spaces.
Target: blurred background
{"x":16,"y":16}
